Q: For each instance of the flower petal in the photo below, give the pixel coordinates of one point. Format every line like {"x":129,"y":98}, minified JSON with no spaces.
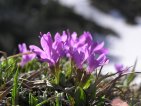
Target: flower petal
{"x":22,"y":47}
{"x":78,"y":58}
{"x":38,"y":51}
{"x":99,"y":47}
{"x":92,"y":63}
{"x":46,"y":43}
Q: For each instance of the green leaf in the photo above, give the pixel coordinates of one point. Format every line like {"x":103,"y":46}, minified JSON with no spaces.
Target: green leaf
{"x":32,"y":100}
{"x":92,"y":90}
{"x":15,"y":89}
{"x":62,"y":79}
{"x":46,"y":101}
{"x":80,"y":97}
{"x":42,"y":103}
{"x":68,"y":70}
{"x":57,"y":102}
{"x":88,"y":82}
{"x":71,"y":100}
{"x":131,"y":76}
{"x":101,"y":101}
{"x":129,"y":79}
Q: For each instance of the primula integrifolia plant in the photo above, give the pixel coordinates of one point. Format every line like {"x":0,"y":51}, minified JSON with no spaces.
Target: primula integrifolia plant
{"x":81,"y":50}
{"x":74,"y":65}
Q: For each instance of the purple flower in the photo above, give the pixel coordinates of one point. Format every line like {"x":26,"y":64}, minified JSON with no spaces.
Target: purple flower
{"x":120,"y":68}
{"x":79,"y":56}
{"x":85,"y":51}
{"x":94,"y":62}
{"x":25,"y":57}
{"x":51,"y":51}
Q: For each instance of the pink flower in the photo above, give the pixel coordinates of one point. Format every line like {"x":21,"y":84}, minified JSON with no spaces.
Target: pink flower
{"x":51,"y":50}
{"x":120,"y":68}
{"x":25,"y":57}
{"x":118,"y":102}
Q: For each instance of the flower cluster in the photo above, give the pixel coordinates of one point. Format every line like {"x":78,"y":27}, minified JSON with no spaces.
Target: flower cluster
{"x":81,"y":50}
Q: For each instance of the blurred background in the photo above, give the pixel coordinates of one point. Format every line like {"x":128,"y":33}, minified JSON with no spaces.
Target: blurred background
{"x":117,"y":22}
